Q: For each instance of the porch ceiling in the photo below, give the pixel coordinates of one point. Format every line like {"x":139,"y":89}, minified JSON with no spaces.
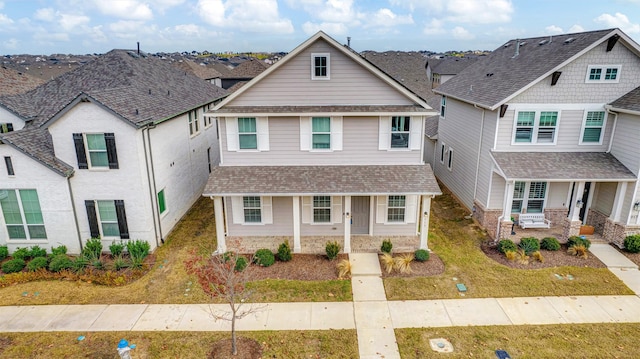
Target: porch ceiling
{"x":561,"y":166}
{"x":309,"y":180}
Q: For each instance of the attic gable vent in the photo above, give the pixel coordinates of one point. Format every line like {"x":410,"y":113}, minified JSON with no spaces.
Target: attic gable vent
{"x":543,"y":42}
{"x":569,"y":40}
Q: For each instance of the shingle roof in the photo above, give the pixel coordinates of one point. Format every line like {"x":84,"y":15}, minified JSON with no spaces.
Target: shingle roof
{"x":630,"y":101}
{"x":453,"y":65}
{"x":499,"y":75}
{"x":308,"y":180}
{"x":202,"y":71}
{"x":14,"y":82}
{"x":248,"y":69}
{"x":36,"y":143}
{"x":561,"y":166}
{"x":320,"y":109}
{"x":431,"y":125}
{"x":124,"y":84}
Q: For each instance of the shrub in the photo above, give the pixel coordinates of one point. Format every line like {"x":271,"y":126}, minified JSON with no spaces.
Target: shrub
{"x":79,"y":264}
{"x":529,"y":245}
{"x":575,"y":240}
{"x":93,"y":248}
{"x":13,"y":266}
{"x":511,"y":255}
{"x":284,"y":252}
{"x":344,"y":268}
{"x":538,"y":256}
{"x":386,"y":246}
{"x":506,"y":245}
{"x":116,"y":249}
{"x":387,"y":262}
{"x":37,"y":263}
{"x":60,"y":263}
{"x":332,"y":249}
{"x":264,"y":257}
{"x":579,"y":250}
{"x":138,"y":250}
{"x":21,"y":253}
{"x":241,"y":264}
{"x":137,"y":263}
{"x":550,"y":244}
{"x":632,"y":243}
{"x":59,"y":250}
{"x":97,"y":263}
{"x":522,"y":256}
{"x":120,"y":263}
{"x":36,"y":252}
{"x":422,"y":255}
{"x":4,"y":252}
{"x":403,"y":263}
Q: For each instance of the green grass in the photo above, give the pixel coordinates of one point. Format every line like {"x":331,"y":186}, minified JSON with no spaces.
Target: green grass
{"x":278,"y":290}
{"x":457,"y":242}
{"x":540,"y":341}
{"x":282,"y":344}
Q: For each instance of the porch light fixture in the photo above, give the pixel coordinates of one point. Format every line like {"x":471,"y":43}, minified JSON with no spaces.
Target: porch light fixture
{"x":347,"y":215}
{"x":636,"y":206}
{"x":579,"y":203}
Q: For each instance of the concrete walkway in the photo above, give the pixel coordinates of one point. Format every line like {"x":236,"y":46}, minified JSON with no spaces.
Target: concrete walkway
{"x":370,"y":314}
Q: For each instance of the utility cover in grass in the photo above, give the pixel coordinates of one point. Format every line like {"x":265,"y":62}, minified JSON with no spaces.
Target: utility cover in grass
{"x":461,"y":287}
{"x":501,"y":354}
{"x":441,"y":345}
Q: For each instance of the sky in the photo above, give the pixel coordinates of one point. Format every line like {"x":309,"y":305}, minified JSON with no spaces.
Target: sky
{"x":97,"y":26}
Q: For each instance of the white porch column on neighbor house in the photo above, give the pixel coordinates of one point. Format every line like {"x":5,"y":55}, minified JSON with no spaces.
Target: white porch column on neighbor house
{"x":508,"y":200}
{"x":621,"y":191}
{"x":218,"y":214}
{"x":424,"y":225}
{"x":297,"y":248}
{"x":347,"y":224}
{"x":575,"y":209}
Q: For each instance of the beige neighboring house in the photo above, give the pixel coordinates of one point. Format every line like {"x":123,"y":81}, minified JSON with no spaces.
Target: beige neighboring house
{"x":204,"y":72}
{"x":321,"y":146}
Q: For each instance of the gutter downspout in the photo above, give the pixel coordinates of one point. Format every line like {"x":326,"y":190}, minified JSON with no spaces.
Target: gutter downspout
{"x":75,"y":213}
{"x":149,"y":180}
{"x":155,"y":189}
{"x":475,"y":185}
{"x":607,"y":108}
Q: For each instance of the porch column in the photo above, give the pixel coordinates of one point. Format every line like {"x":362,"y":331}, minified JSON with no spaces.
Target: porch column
{"x":218,"y":214}
{"x":347,"y":224}
{"x":575,"y":210}
{"x":424,"y":225}
{"x":508,"y":200}
{"x":621,"y":191}
{"x":297,"y":248}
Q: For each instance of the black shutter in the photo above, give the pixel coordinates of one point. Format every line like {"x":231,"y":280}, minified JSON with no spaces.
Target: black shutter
{"x":112,"y":154}
{"x":93,"y":218}
{"x":9,"y":127}
{"x":122,"y":219}
{"x":7,"y":161}
{"x":80,"y":152}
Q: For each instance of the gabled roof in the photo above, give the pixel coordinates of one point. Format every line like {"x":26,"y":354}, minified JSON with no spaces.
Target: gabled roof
{"x":202,"y":71}
{"x":344,"y":50}
{"x":36,"y":143}
{"x":453,"y":65}
{"x":14,"y":82}
{"x":629,"y":103}
{"x":502,"y":75}
{"x":140,"y":89}
{"x":247,"y":70}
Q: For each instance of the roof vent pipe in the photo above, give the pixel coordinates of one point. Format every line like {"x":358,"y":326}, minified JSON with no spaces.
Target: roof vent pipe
{"x":138,"y":47}
{"x":349,"y":41}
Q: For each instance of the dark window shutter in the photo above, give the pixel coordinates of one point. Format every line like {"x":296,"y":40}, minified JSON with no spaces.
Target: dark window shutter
{"x":122,"y":219}
{"x":9,"y":127}
{"x":112,"y":154}
{"x":93,"y":218}
{"x":7,"y":161}
{"x":80,"y":152}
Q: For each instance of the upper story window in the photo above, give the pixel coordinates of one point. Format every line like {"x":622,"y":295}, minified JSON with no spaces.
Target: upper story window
{"x":443,"y":106}
{"x":248,"y":135}
{"x":592,"y":128}
{"x":400,"y":131}
{"x":450,"y":159}
{"x":207,"y":120}
{"x":9,"y":164}
{"x":22,"y":214}
{"x":321,"y":133}
{"x":6,"y":127}
{"x":536,"y":127}
{"x":96,"y":150}
{"x":603,"y":73}
{"x":194,"y":124}
{"x":321,"y":209}
{"x":320,"y":66}
{"x":107,"y":218}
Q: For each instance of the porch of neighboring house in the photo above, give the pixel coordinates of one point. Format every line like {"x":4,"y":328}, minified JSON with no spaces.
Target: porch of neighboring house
{"x":554,"y":231}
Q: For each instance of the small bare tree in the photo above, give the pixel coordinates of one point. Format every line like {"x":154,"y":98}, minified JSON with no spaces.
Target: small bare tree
{"x":225,"y":276}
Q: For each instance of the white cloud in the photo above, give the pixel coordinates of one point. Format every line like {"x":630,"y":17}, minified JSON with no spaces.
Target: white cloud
{"x":68,"y":21}
{"x":337,"y":11}
{"x":125,"y":9}
{"x":461,"y":33}
{"x":11,"y":43}
{"x":479,"y":11}
{"x":576,"y":28}
{"x":387,"y":18}
{"x":245,"y":15}
{"x":620,"y":21}
{"x":48,"y":37}
{"x":553,"y":30}
{"x":45,"y":14}
{"x":126,"y":26}
{"x":331,"y":28}
{"x":434,"y":27}
{"x":5,"y":20}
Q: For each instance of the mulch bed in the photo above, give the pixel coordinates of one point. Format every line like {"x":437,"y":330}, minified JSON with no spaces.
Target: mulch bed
{"x":557,"y":258}
{"x":434,"y":266}
{"x":301,"y":267}
{"x":247,"y":349}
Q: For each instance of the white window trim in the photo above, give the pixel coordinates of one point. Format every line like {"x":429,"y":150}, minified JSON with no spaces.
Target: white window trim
{"x":603,"y":74}
{"x":206,"y":120}
{"x":233,"y":135}
{"x":90,"y":165}
{"x":24,"y":221}
{"x":335,"y":215}
{"x":525,"y":198}
{"x":450,"y":159}
{"x":416,"y":124}
{"x":584,"y":125}
{"x":166,"y":207}
{"x":410,"y":211}
{"x":536,"y":128}
{"x":306,"y":134}
{"x":194,"y":125}
{"x":313,"y":66}
{"x":313,"y":207}
{"x":99,"y":219}
{"x":266,"y":211}
{"x":443,"y":104}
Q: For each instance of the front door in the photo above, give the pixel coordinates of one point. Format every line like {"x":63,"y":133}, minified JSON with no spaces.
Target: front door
{"x":360,"y":215}
{"x":585,"y":198}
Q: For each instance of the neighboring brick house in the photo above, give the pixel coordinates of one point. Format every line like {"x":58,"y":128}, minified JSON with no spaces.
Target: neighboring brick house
{"x":528,"y":130}
{"x":322,"y":146}
{"x":117,"y":148}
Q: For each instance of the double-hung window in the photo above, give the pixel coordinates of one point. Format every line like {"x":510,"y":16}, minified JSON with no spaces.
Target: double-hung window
{"x":321,"y":132}
{"x":529,"y":195}
{"x":400,"y":131}
{"x":450,"y":159}
{"x":603,"y":73}
{"x":443,"y":106}
{"x":206,"y":119}
{"x":536,"y":127}
{"x":107,"y":218}
{"x":247,"y":133}
{"x":194,"y":125}
{"x":320,"y":66}
{"x":321,"y":209}
{"x":22,"y":214}
{"x":96,"y":150}
{"x":252,"y":209}
{"x":593,"y":127}
{"x":396,"y":208}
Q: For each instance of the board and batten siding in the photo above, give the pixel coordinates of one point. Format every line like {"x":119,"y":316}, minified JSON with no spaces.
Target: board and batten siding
{"x":460,"y":131}
{"x":625,"y":142}
{"x":568,"y":132}
{"x":572,"y":88}
{"x":349,"y":84}
{"x":359,"y":146}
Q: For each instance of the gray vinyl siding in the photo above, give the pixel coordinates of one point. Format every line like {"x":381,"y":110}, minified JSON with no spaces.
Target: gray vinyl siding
{"x":391,"y":229}
{"x":571,"y":87}
{"x":359,"y":141}
{"x":568,"y":133}
{"x":604,"y":196}
{"x":349,"y":84}
{"x":459,"y":130}
{"x":429,"y":151}
{"x":496,"y":198}
{"x":625,"y":141}
{"x":557,"y":194}
{"x":282,"y":220}
{"x":627,"y":203}
{"x":485,"y":165}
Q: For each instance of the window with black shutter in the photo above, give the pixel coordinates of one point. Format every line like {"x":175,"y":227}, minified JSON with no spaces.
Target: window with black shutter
{"x":93,"y":218}
{"x":122,"y":219}
{"x":81,"y":154}
{"x":107,"y":219}
{"x":7,"y":161}
{"x":96,"y":150}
